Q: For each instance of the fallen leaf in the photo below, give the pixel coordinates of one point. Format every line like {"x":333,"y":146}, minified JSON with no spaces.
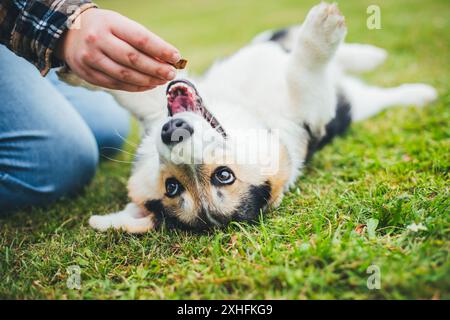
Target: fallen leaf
{"x":406,"y":158}
{"x":233,"y":240}
{"x":360,"y":228}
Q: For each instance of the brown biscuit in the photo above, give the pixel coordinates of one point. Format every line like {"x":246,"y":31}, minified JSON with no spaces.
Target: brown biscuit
{"x":181,"y":64}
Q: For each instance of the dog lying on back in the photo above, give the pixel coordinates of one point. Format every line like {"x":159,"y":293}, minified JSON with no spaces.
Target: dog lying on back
{"x":228,"y":147}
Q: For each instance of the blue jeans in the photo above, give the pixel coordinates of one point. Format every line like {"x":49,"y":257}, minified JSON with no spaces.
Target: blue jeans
{"x":51,"y":134}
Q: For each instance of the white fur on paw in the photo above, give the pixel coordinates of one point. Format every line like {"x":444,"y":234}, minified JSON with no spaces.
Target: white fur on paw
{"x":100,"y":223}
{"x":417,"y":94}
{"x":141,"y":225}
{"x":374,"y":57}
{"x":355,"y":57}
{"x":326,"y":24}
{"x":125,"y":223}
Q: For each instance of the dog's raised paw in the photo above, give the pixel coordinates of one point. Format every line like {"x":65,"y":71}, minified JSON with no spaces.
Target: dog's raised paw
{"x":326,"y":23}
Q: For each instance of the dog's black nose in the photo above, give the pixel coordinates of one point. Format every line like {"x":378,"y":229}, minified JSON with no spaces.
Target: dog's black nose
{"x":175,"y":131}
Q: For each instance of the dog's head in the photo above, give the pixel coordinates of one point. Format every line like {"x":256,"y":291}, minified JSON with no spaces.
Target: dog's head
{"x":193,"y":172}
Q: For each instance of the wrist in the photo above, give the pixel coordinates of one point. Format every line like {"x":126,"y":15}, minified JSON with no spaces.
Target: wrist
{"x":73,"y":24}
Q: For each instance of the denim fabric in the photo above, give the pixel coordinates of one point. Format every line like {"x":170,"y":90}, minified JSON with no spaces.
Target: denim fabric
{"x":50,"y":134}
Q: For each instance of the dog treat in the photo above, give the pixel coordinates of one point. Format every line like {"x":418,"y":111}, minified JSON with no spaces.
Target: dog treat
{"x":181,"y":64}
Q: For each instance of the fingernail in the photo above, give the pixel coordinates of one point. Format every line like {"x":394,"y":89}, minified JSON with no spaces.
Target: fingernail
{"x":176,"y":57}
{"x":171,"y":75}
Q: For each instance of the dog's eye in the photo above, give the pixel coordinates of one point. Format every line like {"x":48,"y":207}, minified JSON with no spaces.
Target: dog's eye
{"x":223,"y":176}
{"x":173,"y":187}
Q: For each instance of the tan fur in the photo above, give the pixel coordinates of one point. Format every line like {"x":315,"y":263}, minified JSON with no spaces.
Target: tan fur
{"x":278,"y":181}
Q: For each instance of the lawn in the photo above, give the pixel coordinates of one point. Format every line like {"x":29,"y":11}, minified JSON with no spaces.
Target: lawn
{"x":390,"y":173}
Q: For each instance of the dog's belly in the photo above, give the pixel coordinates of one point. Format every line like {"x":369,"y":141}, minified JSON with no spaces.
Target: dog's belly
{"x":254,"y":78}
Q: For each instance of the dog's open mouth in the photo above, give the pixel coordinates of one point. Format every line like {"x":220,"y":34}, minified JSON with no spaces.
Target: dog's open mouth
{"x":182,"y":96}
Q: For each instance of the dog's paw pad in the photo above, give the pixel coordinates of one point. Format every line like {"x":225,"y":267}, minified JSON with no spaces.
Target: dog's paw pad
{"x":326,"y":23}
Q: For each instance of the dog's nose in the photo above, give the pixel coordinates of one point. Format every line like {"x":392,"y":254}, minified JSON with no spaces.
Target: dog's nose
{"x":175,"y":131}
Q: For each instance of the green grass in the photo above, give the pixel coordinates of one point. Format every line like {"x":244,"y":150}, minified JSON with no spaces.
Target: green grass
{"x":393,"y":168}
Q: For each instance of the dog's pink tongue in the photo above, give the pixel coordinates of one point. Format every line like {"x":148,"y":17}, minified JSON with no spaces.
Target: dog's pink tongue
{"x":181,"y":104}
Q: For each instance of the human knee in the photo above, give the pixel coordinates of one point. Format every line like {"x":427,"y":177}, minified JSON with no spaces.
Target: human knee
{"x":51,"y":165}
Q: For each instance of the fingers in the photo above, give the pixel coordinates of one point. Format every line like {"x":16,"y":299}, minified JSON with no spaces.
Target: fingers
{"x":98,"y":78}
{"x":118,"y":53}
{"x":123,"y":74}
{"x":144,"y":40}
{"x":125,"y":55}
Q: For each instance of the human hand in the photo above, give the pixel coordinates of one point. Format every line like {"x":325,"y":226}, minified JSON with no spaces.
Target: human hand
{"x":112,"y":51}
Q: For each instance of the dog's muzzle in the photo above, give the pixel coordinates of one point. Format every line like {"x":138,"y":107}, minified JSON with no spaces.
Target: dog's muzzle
{"x":182,"y":96}
{"x":176,"y":131}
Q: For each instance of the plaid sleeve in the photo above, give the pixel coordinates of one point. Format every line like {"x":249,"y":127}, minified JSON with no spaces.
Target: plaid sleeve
{"x":32,"y":28}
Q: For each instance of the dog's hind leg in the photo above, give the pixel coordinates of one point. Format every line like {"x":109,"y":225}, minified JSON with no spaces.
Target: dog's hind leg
{"x":131,"y":219}
{"x":311,"y":86}
{"x":368,"y":100}
{"x":359,"y":58}
{"x":351,"y":57}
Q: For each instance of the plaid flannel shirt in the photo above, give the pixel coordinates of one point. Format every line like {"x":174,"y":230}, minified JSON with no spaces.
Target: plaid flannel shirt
{"x":32,"y":28}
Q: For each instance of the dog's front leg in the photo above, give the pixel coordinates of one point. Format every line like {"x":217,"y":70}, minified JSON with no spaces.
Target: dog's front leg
{"x":311,"y":83}
{"x":147,"y":106}
{"x":132,"y":219}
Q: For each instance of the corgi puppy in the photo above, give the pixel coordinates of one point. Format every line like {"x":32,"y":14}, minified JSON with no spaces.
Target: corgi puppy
{"x":227,"y":146}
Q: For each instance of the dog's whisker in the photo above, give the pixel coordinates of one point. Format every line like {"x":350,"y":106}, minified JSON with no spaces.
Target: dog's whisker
{"x":126,"y":140}
{"x":200,"y":218}
{"x":115,"y":160}
{"x":117,"y":149}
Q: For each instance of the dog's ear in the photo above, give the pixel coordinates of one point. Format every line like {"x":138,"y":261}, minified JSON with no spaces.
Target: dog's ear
{"x":275,"y":201}
{"x":279,"y":180}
